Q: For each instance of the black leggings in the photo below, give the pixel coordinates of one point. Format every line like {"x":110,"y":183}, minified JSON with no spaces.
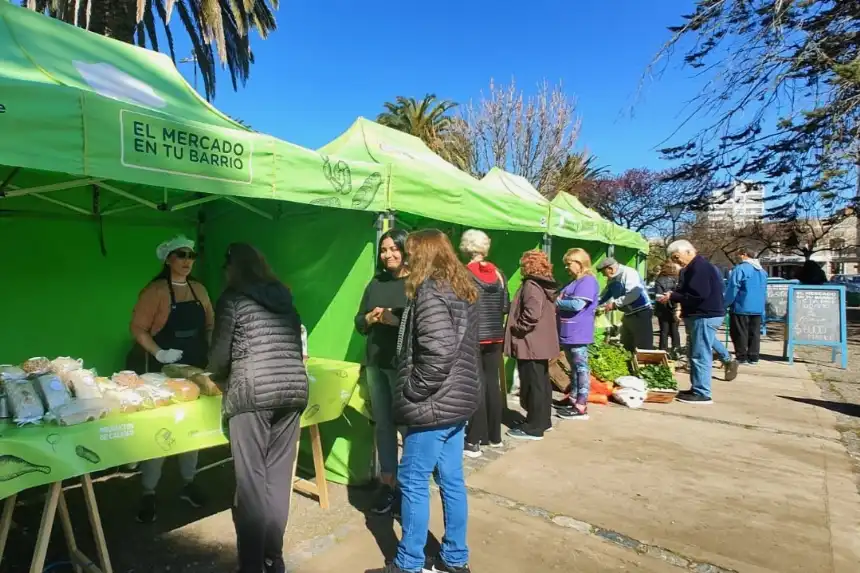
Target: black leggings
{"x":486,"y":423}
{"x":535,"y":395}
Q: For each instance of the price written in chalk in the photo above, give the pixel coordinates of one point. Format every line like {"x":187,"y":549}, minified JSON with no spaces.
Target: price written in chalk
{"x":816,"y":315}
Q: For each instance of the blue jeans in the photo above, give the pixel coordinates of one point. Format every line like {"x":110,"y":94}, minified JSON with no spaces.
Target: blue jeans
{"x":580,"y":374}
{"x":380,"y":382}
{"x":436,"y":451}
{"x":703,"y":342}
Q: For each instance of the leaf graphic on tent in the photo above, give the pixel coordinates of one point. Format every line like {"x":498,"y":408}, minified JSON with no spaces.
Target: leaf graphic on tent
{"x":327,"y":202}
{"x":311,"y":412}
{"x":339,"y":176}
{"x":365,"y":195}
{"x":88,"y":454}
{"x":12,"y":467}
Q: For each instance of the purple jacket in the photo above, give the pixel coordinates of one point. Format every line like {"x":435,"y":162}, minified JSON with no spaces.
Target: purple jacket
{"x":577,"y":326}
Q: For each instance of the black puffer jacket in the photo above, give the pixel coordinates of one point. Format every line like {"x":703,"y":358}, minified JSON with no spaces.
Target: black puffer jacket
{"x":437,"y":382}
{"x":256,"y":354}
{"x":493,"y":304}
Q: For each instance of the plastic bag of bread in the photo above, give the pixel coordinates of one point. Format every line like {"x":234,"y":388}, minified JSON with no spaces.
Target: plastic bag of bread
{"x":154,"y":379}
{"x":52,"y":390}
{"x":127,"y":379}
{"x":78,"y":412}
{"x":24,"y":402}
{"x":206,"y":385}
{"x":65,"y":364}
{"x":123,"y":400}
{"x":9,"y":372}
{"x":183,"y":390}
{"x":36,"y":366}
{"x":181,"y":371}
{"x":154,"y":396}
{"x":83,"y":384}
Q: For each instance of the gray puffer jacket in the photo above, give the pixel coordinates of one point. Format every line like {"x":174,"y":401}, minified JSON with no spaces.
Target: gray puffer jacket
{"x":437,"y":353}
{"x":256,"y":353}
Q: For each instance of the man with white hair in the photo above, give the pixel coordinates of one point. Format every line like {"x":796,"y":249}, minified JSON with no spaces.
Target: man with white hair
{"x":626,"y":291}
{"x":700,"y":293}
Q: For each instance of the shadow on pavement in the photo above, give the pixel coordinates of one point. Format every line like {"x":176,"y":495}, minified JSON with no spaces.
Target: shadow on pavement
{"x":840,"y":407}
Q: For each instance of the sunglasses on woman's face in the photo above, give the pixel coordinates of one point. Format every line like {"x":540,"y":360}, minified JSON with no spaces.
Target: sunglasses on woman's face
{"x":191,"y":255}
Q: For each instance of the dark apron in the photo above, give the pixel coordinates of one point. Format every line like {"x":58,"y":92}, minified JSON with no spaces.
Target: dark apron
{"x":185,"y":330}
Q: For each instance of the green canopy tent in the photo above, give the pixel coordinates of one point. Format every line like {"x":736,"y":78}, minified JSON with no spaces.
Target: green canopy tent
{"x":105,"y":151}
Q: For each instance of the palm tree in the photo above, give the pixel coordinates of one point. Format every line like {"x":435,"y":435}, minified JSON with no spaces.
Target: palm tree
{"x":430,"y":121}
{"x":579,"y":169}
{"x":216,"y":28}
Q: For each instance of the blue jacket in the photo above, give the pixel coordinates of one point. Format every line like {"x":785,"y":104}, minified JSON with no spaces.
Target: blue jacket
{"x":627,"y":291}
{"x":747,"y":288}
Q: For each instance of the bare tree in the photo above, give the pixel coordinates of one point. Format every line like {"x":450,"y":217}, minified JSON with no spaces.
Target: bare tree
{"x":529,"y":136}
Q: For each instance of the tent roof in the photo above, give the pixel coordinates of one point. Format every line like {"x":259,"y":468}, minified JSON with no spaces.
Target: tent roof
{"x":424,"y":184}
{"x":570,"y":217}
{"x":514,"y":184}
{"x":99,"y":111}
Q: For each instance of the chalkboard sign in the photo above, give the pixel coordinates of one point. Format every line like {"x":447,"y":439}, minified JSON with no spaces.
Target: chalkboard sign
{"x":776,"y":305}
{"x":816,"y":316}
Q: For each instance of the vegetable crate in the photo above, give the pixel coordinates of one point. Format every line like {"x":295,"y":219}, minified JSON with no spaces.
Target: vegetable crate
{"x":645,"y":357}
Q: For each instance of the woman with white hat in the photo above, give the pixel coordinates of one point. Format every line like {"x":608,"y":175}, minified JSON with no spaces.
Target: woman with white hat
{"x":172,"y":323}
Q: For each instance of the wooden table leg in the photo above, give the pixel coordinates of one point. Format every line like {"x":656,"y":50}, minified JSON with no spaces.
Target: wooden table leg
{"x":47,"y":524}
{"x":319,"y":466}
{"x":6,"y":521}
{"x":69,"y":533}
{"x":96,"y":523}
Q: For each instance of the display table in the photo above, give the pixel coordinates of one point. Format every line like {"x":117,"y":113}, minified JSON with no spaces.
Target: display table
{"x":33,"y":456}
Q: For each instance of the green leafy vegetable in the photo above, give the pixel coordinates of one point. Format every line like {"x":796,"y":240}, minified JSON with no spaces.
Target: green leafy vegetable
{"x":608,"y":362}
{"x":658,"y":377}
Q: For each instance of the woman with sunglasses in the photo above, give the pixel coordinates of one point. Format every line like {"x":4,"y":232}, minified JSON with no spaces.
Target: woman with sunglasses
{"x":172,"y":323}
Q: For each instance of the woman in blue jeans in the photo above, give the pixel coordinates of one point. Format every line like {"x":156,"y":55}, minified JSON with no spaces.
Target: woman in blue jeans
{"x":379,"y":318}
{"x":438,"y":389}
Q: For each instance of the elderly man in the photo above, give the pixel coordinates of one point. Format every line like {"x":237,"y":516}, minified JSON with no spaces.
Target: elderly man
{"x":626,"y":291}
{"x":700,"y":293}
{"x":745,"y":296}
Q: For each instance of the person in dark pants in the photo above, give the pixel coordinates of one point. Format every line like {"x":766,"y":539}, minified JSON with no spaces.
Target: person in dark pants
{"x":485,"y":427}
{"x":668,"y":315}
{"x":625,"y":291}
{"x":746,"y":292}
{"x":256,"y":360}
{"x":172,"y":322}
{"x":438,"y":389}
{"x":531,"y":337}
{"x":378,"y":318}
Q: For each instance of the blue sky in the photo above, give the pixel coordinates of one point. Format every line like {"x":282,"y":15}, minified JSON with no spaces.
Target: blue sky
{"x":333,"y":60}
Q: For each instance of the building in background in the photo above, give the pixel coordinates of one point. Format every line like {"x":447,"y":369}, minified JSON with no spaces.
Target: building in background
{"x":739,"y":204}
{"x":835,"y":251}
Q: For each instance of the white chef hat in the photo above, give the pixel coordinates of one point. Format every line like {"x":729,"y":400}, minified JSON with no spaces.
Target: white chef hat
{"x":179,"y":242}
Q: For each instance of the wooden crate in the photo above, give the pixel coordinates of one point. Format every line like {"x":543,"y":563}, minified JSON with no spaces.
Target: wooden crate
{"x":660,"y":396}
{"x":645,"y":357}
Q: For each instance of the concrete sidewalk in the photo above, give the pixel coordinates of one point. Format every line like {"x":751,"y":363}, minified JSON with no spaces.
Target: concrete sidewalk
{"x":757,"y":482}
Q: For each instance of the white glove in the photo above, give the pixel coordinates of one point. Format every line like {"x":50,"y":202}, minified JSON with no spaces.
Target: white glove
{"x":168,"y":356}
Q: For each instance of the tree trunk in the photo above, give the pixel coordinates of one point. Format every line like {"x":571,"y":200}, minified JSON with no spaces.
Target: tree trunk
{"x":113,"y":18}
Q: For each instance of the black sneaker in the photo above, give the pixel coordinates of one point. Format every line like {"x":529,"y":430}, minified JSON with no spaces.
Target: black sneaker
{"x":192,"y":496}
{"x":565,"y":402}
{"x":392,"y":568}
{"x":384,"y":501}
{"x":440,"y":566}
{"x":147,"y":513}
{"x":731,"y":370}
{"x":572,"y":414}
{"x":693,"y":399}
{"x":520,"y":434}
{"x":275,"y":565}
{"x":472,"y":450}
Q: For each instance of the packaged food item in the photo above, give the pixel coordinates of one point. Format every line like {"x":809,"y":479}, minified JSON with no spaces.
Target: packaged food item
{"x":183,"y":390}
{"x":36,"y":366}
{"x":52,"y":390}
{"x":181,"y":371}
{"x":123,"y":400}
{"x":154,"y":396}
{"x":154,"y":379}
{"x":206,"y":385}
{"x":24,"y":403}
{"x":65,"y":364}
{"x":127,"y":379}
{"x":78,"y":412}
{"x":9,"y":372}
{"x":83,"y":383}
{"x":105,"y":383}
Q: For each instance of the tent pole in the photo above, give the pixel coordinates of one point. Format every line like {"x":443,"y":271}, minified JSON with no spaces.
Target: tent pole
{"x":8,"y":180}
{"x":547,"y":245}
{"x":195,"y":202}
{"x":120,"y":210}
{"x":129,"y":196}
{"x":250,"y":208}
{"x":61,"y":204}
{"x":18,"y":192}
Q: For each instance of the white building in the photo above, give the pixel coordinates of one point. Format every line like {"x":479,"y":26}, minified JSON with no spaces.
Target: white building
{"x":739,"y":204}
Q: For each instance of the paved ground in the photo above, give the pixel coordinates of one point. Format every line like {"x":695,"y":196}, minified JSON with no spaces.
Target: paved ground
{"x":758,"y":482}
